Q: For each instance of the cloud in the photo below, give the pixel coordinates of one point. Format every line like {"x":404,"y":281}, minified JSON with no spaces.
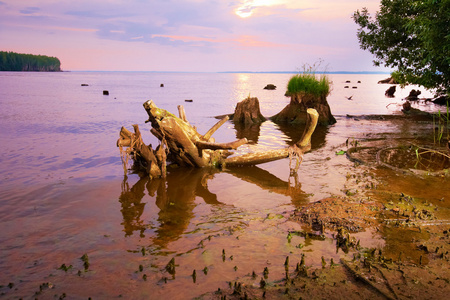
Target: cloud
{"x":155,"y":21}
{"x":250,"y":41}
{"x":30,"y":10}
{"x":97,"y":15}
{"x":189,"y":30}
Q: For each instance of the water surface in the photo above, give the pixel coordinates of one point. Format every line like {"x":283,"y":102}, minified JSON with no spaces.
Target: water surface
{"x":63,"y":192}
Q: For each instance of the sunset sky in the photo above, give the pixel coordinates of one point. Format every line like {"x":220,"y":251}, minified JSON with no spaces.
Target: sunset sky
{"x":187,"y":35}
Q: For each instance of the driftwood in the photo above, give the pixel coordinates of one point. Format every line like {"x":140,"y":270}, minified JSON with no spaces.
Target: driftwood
{"x":181,"y":144}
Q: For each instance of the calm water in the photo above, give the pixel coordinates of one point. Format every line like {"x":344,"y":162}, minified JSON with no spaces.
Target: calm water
{"x":63,"y":192}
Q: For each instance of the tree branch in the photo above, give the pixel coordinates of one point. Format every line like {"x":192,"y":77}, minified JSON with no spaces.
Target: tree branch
{"x":223,"y":146}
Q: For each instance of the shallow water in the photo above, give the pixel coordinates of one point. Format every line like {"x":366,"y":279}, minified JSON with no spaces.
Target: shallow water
{"x":63,"y":192}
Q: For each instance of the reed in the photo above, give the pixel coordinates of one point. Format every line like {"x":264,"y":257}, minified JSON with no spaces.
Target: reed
{"x":441,"y":126}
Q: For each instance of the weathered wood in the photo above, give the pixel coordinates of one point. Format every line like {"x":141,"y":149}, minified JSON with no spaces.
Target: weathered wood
{"x":139,"y":152}
{"x":213,"y":129}
{"x":223,"y":146}
{"x":183,"y":145}
{"x":313,"y":118}
{"x":157,"y":134}
{"x":124,"y":139}
{"x":247,"y":112}
{"x":182,"y":113}
{"x":301,"y":147}
{"x":256,"y":158}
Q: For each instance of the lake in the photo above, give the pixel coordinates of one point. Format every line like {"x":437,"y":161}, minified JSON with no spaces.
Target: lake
{"x":64,"y":193}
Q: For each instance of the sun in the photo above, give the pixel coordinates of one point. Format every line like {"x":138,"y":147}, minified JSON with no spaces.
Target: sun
{"x":248,"y":7}
{"x":245,"y":11}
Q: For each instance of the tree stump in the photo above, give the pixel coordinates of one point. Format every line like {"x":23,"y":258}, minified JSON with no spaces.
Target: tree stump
{"x":390,"y":91}
{"x":413,"y":95}
{"x":247,"y":112}
{"x":181,"y":144}
{"x":296,"y":111}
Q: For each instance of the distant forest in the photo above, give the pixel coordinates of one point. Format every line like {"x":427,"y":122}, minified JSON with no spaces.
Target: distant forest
{"x":11,"y":61}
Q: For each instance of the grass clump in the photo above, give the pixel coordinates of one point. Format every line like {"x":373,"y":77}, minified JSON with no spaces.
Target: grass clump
{"x":307,"y":83}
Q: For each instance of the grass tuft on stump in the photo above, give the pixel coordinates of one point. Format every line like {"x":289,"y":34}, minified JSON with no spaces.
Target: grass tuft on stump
{"x":307,"y":83}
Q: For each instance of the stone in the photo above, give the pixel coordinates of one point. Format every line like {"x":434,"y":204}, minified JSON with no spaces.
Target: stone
{"x":413,"y":95}
{"x":389,"y":80}
{"x":270,"y":87}
{"x":390,"y":91}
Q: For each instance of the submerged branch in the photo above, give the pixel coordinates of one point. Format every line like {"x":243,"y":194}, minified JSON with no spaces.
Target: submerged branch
{"x":301,"y":147}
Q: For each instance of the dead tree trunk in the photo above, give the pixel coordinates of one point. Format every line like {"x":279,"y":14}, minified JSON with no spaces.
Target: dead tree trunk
{"x":247,"y":112}
{"x":183,"y":145}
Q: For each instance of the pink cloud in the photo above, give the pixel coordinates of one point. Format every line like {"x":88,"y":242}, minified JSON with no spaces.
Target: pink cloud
{"x":253,"y":41}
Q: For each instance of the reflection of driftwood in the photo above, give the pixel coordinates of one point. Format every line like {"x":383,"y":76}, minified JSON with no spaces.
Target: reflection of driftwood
{"x":176,"y":202}
{"x":269,"y":182}
{"x":132,"y":206}
{"x":183,"y":145}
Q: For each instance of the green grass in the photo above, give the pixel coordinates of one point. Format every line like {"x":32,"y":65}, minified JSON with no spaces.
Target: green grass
{"x":443,"y":125}
{"x":308,"y":83}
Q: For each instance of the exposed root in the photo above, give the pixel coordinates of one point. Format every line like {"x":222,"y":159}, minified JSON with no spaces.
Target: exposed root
{"x":181,"y":144}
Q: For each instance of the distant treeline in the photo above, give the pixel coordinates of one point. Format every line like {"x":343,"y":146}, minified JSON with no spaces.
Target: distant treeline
{"x":11,"y":61}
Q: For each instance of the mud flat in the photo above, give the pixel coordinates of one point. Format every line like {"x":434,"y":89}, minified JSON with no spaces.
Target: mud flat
{"x":413,"y":262}
{"x":403,"y":272}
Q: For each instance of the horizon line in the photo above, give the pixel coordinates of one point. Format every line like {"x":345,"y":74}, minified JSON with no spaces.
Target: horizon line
{"x":243,"y":72}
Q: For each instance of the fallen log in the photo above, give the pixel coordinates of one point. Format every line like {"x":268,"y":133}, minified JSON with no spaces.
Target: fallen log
{"x":181,"y":144}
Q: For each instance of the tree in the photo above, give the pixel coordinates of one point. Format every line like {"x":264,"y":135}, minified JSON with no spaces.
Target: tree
{"x":412,"y":37}
{"x":11,"y":61}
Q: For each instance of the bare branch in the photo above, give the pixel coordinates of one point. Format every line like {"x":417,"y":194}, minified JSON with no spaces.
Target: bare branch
{"x":213,"y":129}
{"x":223,"y":146}
{"x":182,"y":113}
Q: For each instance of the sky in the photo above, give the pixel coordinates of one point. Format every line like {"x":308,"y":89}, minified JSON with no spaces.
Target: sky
{"x":188,"y":35}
